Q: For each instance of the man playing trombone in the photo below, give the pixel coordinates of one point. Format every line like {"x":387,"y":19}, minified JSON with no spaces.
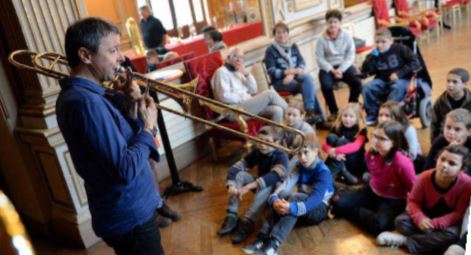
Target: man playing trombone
{"x":111,"y":156}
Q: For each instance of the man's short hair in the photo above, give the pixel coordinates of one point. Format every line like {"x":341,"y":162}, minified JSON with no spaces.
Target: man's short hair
{"x":207,"y":29}
{"x":460,"y":115}
{"x":334,"y":13}
{"x":281,"y":25}
{"x":232,"y":51}
{"x":86,"y":33}
{"x":461,"y":72}
{"x":215,"y":35}
{"x":383,"y":32}
{"x":145,"y":7}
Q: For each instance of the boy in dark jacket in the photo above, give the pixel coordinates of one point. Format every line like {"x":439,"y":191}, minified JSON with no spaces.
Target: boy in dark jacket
{"x":393,"y":66}
{"x":272,"y":165}
{"x":455,"y":96}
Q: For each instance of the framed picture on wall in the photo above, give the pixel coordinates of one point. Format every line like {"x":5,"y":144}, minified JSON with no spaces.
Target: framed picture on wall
{"x":335,"y":4}
{"x":305,"y":4}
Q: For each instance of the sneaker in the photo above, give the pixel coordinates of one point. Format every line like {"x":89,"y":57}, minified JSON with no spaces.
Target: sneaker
{"x":230,"y":223}
{"x":370,"y":120}
{"x":166,"y":211}
{"x":243,"y":231}
{"x":162,"y":221}
{"x":391,"y":239}
{"x":269,"y":248}
{"x":256,"y":245}
{"x":454,"y":249}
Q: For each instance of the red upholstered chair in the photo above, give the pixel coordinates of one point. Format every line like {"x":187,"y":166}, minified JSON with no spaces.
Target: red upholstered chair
{"x":428,"y":19}
{"x":381,"y":13}
{"x":452,"y":9}
{"x":204,"y":67}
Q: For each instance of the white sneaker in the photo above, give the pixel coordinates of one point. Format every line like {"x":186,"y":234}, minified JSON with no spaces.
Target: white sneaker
{"x":391,"y":239}
{"x":454,"y":249}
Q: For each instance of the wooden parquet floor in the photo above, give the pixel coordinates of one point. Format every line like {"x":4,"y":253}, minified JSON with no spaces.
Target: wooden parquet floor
{"x":204,"y":212}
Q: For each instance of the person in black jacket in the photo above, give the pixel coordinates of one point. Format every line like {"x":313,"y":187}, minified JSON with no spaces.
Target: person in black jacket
{"x":393,"y":66}
{"x":456,"y":95}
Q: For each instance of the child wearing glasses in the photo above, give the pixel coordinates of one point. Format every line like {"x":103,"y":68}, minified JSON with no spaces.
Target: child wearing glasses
{"x":455,"y":96}
{"x":374,"y":206}
{"x":435,"y":206}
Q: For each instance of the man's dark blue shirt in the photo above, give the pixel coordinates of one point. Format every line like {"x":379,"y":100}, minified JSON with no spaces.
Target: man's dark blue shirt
{"x":111,"y":157}
{"x":152,"y":32}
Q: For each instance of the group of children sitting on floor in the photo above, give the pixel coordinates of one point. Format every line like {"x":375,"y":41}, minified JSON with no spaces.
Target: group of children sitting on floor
{"x":405,"y":199}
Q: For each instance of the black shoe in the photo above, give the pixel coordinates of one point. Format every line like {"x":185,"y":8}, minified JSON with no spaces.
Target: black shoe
{"x":348,"y":177}
{"x":244,"y":229}
{"x":230,"y":223}
{"x":257,"y":244}
{"x":269,"y":248}
{"x":166,"y":211}
{"x":162,"y":221}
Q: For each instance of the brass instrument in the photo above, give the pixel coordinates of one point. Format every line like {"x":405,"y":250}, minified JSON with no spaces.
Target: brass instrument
{"x":13,"y":237}
{"x":135,"y":36}
{"x":47,"y":64}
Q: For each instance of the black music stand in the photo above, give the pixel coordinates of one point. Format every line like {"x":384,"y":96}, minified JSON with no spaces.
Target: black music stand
{"x":178,"y":186}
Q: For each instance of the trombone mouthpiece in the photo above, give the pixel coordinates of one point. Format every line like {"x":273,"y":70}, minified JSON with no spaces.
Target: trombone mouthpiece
{"x":121,"y":69}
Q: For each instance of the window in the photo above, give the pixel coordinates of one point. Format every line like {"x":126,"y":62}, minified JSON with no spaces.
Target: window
{"x":178,"y":15}
{"x":161,"y":10}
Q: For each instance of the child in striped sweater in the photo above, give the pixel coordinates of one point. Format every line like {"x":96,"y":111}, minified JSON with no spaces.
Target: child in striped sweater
{"x":435,"y":206}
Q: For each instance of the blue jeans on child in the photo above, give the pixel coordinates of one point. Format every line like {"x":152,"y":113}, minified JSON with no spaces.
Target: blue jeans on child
{"x":375,"y":89}
{"x":279,"y":226}
{"x":259,"y":201}
{"x":305,"y":85}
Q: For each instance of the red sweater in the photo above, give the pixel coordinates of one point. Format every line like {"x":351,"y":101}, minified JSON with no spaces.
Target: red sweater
{"x":391,"y":180}
{"x":424,"y":195}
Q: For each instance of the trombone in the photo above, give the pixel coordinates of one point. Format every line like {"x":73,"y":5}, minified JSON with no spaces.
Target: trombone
{"x":53,"y":64}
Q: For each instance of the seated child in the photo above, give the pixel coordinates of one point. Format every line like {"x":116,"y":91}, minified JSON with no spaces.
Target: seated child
{"x":152,"y":59}
{"x":272,"y":165}
{"x":456,"y":96}
{"x":391,"y":110}
{"x":435,"y":206}
{"x":309,"y":205}
{"x":375,"y":206}
{"x":294,"y":117}
{"x":457,"y":130}
{"x":345,"y":145}
{"x":459,"y":247}
{"x":393,"y":66}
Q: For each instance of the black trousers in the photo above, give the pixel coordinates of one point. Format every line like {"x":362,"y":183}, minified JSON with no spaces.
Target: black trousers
{"x":327,"y":81}
{"x":369,"y":211}
{"x":142,"y":240}
{"x":354,"y":163}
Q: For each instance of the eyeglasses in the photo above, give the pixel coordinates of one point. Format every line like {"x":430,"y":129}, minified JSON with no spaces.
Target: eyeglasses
{"x":381,"y":138}
{"x":453,"y":81}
